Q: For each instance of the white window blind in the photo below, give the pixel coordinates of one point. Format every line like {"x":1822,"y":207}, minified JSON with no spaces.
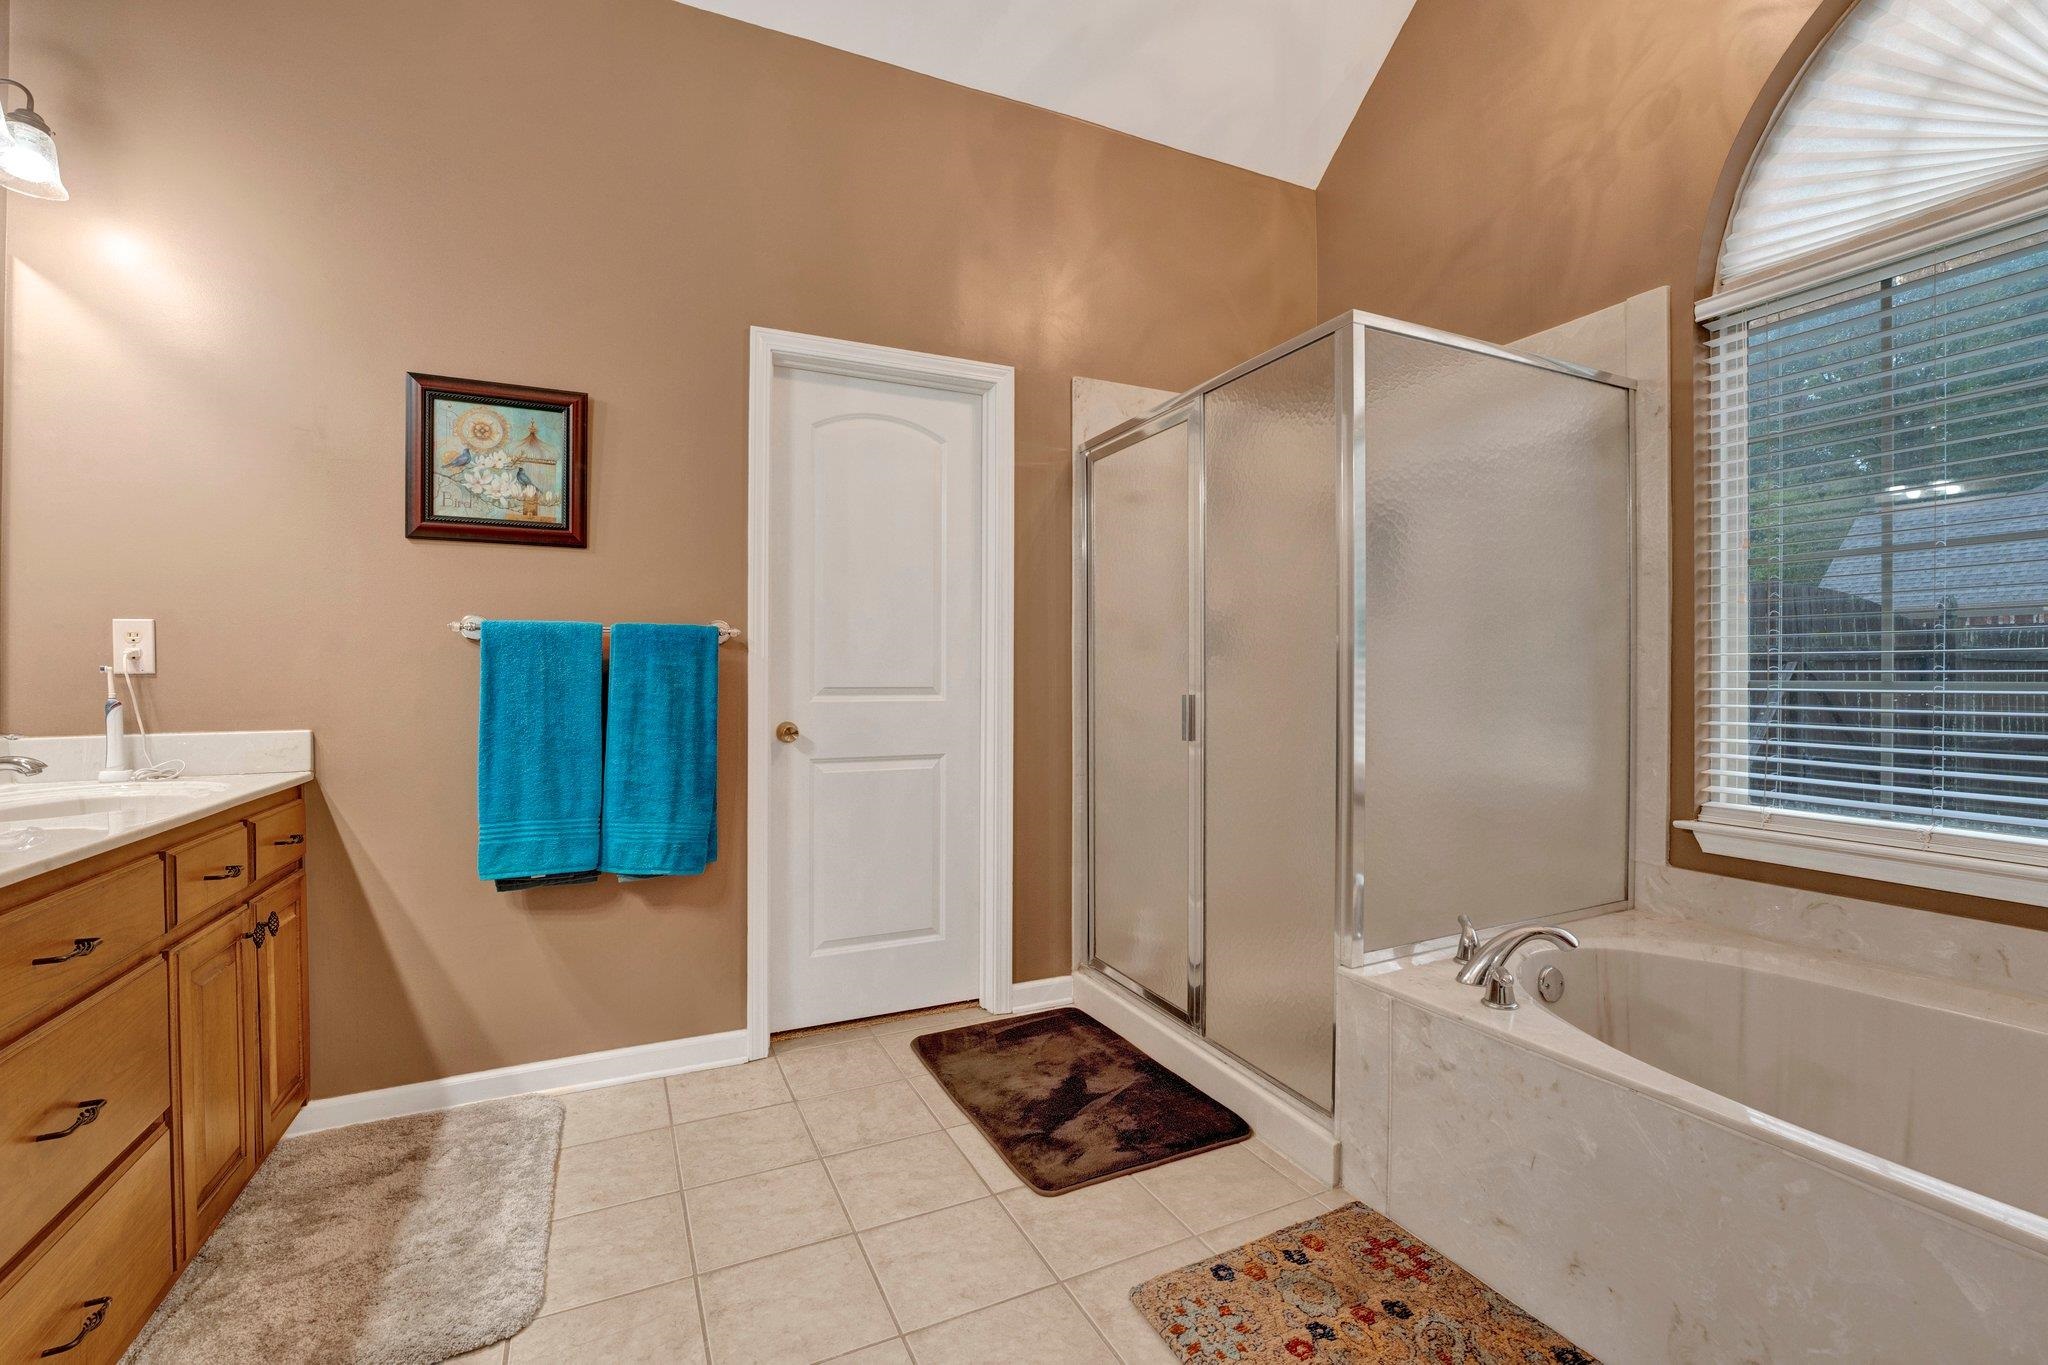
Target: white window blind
{"x":1912,"y":107}
{"x":1873,"y":554}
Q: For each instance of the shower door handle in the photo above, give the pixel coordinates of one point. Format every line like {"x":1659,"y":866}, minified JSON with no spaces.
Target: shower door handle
{"x":1187,"y":716}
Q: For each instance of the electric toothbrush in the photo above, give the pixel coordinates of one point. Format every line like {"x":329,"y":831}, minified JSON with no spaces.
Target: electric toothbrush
{"x":117,"y":744}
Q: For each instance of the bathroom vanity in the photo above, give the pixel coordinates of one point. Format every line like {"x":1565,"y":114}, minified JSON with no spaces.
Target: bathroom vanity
{"x":153,"y":1039}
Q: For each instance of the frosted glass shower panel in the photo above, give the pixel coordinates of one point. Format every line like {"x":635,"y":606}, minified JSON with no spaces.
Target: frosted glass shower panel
{"x":1493,"y":641}
{"x":1272,"y":628}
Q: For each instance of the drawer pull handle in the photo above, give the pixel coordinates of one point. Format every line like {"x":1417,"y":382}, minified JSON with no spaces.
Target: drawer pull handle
{"x":79,"y":948}
{"x":258,"y":934}
{"x":289,"y":841}
{"x":92,"y":1321}
{"x":87,"y":1112}
{"x":226,"y":874}
{"x":272,"y":924}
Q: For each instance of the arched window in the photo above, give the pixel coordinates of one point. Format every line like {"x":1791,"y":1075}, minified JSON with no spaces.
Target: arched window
{"x":1873,"y":536}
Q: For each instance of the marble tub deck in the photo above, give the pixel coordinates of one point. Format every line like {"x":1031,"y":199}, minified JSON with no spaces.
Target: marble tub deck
{"x":1649,"y":1219}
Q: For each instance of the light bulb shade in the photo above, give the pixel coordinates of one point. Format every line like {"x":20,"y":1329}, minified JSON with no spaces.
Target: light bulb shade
{"x":28,"y":162}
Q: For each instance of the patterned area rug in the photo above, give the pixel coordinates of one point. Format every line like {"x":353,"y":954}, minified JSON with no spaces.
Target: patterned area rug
{"x":1349,"y":1286}
{"x":1069,"y":1103}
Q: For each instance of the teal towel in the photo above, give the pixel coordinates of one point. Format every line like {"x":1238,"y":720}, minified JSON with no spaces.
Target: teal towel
{"x":539,"y":748}
{"x":661,"y":751}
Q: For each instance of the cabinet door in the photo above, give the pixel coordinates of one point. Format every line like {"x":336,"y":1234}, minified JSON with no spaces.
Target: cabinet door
{"x":215,"y":976}
{"x":281,"y":1005}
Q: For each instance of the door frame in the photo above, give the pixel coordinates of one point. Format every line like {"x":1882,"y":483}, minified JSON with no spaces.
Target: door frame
{"x":770,"y":350}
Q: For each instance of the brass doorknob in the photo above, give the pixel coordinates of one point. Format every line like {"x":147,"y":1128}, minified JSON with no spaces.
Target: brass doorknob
{"x":786,"y":732}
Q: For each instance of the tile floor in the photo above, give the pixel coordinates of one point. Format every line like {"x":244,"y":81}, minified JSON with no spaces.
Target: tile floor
{"x":830,"y":1203}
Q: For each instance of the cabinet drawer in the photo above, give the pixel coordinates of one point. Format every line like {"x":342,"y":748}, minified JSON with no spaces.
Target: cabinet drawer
{"x":280,"y":838}
{"x":88,"y":1083}
{"x":210,"y":871}
{"x":114,"y":1259}
{"x":54,"y":947}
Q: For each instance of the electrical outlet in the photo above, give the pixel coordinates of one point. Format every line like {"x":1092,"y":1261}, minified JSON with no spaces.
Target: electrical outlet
{"x":134,"y":633}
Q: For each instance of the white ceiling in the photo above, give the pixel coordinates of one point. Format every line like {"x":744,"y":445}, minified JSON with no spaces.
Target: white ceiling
{"x":1270,"y":85}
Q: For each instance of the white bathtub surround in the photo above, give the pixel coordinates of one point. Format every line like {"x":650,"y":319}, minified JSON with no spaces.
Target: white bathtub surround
{"x":1651,"y":1218}
{"x":64,"y":814}
{"x":2000,"y":957}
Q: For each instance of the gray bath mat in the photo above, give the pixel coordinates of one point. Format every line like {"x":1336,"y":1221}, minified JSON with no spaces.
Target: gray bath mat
{"x":402,"y":1242}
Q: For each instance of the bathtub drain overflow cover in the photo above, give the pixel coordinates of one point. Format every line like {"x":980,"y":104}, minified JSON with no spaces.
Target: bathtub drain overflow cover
{"x":1550,"y":985}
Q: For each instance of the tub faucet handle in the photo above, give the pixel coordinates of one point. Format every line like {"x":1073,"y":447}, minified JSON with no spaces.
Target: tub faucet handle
{"x":1468,"y":941}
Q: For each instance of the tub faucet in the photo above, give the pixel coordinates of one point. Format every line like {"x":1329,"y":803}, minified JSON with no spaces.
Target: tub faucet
{"x":1489,"y":966}
{"x":20,"y":763}
{"x":1468,"y":941}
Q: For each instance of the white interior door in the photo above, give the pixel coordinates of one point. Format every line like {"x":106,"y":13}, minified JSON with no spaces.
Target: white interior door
{"x":875,"y":602}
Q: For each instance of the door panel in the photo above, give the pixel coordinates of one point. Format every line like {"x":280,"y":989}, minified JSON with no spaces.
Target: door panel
{"x":1142,"y":765}
{"x":281,"y":1001}
{"x":875,"y":599}
{"x":215,"y":978}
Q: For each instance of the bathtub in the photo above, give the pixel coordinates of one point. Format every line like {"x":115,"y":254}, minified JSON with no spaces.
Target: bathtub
{"x":1715,"y":1148}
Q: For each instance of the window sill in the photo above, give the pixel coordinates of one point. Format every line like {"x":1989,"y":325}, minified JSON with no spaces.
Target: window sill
{"x":1939,"y":869}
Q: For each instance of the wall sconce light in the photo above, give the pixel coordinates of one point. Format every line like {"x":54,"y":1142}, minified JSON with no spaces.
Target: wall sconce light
{"x":28,"y":158}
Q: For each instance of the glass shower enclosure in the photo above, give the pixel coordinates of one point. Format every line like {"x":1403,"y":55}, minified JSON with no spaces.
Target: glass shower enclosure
{"x":1354,"y":637}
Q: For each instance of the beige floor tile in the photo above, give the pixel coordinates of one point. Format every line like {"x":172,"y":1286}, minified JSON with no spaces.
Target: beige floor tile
{"x":1219,"y":1187}
{"x":656,"y":1326}
{"x":943,"y":1264}
{"x":726,"y":1090}
{"x":904,"y":1178}
{"x":733,"y":1145}
{"x":862,"y":1118}
{"x":949,"y":1114}
{"x":891,"y":1352}
{"x":620,"y":1170}
{"x":896,"y":1046}
{"x":828,"y":1068}
{"x":612,"y":1111}
{"x":1105,"y":1296}
{"x":1046,"y":1325}
{"x":759,"y":1215}
{"x":809,"y":1304}
{"x":615,"y":1251}
{"x":933,"y":1023}
{"x":1303,"y":1181}
{"x":1092,"y":1227}
{"x":494,"y":1354}
{"x":1259,"y":1224}
{"x":987,"y":1162}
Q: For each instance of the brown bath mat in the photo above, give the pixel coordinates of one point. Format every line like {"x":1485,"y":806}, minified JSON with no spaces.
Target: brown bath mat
{"x":1347,"y":1287}
{"x":1067,"y":1102}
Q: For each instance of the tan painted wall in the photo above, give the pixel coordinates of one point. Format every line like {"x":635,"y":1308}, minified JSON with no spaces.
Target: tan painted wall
{"x":279,"y":209}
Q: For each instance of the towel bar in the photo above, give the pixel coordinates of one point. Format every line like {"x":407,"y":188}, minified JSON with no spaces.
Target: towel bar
{"x":471,"y":628}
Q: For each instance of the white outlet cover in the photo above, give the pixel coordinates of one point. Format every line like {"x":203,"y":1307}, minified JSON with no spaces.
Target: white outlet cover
{"x":129,"y":632}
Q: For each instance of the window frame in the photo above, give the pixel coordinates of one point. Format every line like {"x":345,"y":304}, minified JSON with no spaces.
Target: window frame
{"x":1902,"y":852}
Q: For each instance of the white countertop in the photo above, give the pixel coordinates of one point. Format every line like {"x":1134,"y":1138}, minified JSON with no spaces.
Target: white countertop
{"x":63,"y":815}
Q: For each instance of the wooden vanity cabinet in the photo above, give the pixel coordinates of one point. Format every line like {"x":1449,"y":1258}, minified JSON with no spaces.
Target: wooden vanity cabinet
{"x":170,"y":1059}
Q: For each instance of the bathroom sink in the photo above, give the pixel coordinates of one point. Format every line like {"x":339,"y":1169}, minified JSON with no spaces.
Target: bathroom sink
{"x":56,"y":800}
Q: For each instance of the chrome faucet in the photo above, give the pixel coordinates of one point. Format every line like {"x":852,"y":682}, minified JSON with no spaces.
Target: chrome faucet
{"x":20,"y":763}
{"x":1489,"y":966}
{"x":1468,"y":941}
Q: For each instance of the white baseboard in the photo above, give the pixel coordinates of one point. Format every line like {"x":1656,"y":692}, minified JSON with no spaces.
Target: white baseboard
{"x":530,"y":1078}
{"x":1047,"y":994}
{"x":1290,"y":1127}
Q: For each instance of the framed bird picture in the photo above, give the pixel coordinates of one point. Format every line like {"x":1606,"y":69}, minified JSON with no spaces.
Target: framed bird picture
{"x":497,"y":462}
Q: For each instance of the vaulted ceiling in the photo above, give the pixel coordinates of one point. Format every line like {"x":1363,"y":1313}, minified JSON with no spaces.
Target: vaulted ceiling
{"x":1269,"y":85}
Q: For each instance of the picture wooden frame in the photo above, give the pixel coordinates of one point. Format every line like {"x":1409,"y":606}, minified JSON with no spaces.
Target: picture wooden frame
{"x":503,"y":463}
